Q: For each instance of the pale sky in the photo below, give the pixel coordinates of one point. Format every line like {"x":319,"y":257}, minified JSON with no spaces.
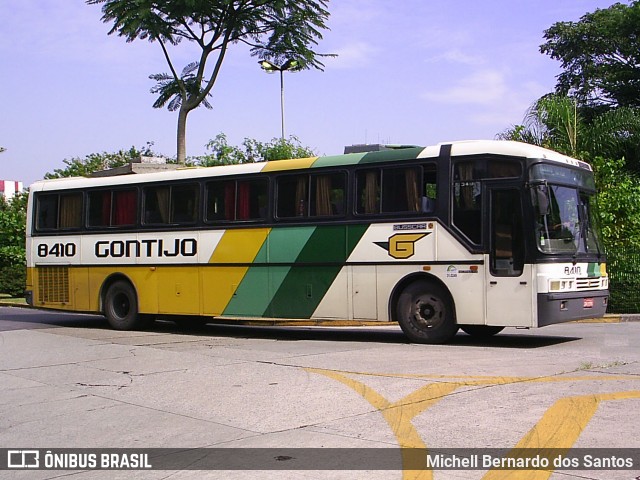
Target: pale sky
{"x":408,"y":71}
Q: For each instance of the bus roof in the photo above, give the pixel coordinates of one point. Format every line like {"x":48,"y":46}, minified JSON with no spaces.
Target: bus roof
{"x":458,"y":148}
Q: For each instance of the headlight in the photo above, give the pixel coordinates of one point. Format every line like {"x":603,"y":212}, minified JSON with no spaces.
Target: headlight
{"x":560,"y":285}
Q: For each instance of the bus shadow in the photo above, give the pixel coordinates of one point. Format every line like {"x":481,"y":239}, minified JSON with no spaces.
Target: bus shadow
{"x":382,"y":334}
{"x":20,"y":319}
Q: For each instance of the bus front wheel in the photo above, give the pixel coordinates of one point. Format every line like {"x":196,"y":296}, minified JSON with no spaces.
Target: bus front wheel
{"x":425,"y":313}
{"x":121,"y":306}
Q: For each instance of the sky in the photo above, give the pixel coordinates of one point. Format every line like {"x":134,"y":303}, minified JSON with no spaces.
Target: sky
{"x":407,"y":71}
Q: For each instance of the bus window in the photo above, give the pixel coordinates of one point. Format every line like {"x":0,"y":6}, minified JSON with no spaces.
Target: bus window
{"x":176,"y":204}
{"x":400,"y":191}
{"x":293,"y":199}
{"x":125,"y":208}
{"x":184,"y":204}
{"x":507,"y":243}
{"x":112,"y":208}
{"x":368,"y":191}
{"x":228,"y":200}
{"x":59,"y":211}
{"x":467,"y":201}
{"x":47,"y":212}
{"x":220,"y":201}
{"x":328,"y":194}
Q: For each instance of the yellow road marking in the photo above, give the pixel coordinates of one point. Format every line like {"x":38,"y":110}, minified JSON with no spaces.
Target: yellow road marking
{"x":559,"y":428}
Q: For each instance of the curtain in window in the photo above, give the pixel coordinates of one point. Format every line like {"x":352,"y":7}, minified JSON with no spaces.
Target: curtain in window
{"x":323,"y":195}
{"x":411,"y":187}
{"x":244,"y":205}
{"x":229,"y":201}
{"x":124,"y":207}
{"x":71,"y":211}
{"x":371,"y":192}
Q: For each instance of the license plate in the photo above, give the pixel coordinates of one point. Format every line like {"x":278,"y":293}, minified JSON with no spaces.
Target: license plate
{"x":587,"y":303}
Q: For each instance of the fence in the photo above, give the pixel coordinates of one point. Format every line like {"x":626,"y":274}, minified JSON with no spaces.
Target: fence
{"x":624,"y":281}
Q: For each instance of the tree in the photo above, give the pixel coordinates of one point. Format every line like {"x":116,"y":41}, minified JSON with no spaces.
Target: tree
{"x":82,"y":167}
{"x":221,"y":153}
{"x":12,"y":244}
{"x":600,"y":56}
{"x":556,"y":122}
{"x":276,"y":30}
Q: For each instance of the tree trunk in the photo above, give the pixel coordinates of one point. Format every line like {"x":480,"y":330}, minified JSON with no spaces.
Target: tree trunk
{"x":182,"y":136}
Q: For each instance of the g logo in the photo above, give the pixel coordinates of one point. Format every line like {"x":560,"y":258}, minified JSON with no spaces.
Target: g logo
{"x":402,"y":245}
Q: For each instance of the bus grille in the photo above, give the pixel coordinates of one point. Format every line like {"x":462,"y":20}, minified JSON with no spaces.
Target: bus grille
{"x":53,"y":285}
{"x":588,"y":283}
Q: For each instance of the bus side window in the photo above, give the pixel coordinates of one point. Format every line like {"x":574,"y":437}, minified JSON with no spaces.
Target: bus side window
{"x":429,"y":190}
{"x":328,"y":194}
{"x":59,"y":212}
{"x":156,"y":205}
{"x":293,"y":198}
{"x":368,"y":191}
{"x":467,"y":202}
{"x":70,"y":211}
{"x":184,"y":204}
{"x":400,"y":191}
{"x":252,"y":199}
{"x":125,"y":208}
{"x":47,"y":208}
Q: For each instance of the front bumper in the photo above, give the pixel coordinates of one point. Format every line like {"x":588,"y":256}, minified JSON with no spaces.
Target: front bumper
{"x":565,"y":307}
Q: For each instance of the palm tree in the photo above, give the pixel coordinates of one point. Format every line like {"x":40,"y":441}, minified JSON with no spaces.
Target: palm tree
{"x":555,"y":122}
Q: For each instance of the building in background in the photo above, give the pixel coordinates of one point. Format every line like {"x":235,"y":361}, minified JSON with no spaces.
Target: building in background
{"x":8,"y":188}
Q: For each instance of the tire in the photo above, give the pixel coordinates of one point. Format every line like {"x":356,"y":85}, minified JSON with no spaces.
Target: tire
{"x":121,"y":306}
{"x":481,"y":331}
{"x":425,"y":313}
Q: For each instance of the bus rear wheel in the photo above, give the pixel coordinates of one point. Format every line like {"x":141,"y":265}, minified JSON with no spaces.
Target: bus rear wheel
{"x":481,"y":331}
{"x":121,"y":306}
{"x":425,"y":313}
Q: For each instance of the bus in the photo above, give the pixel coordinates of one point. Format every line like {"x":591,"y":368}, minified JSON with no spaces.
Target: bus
{"x":471,"y":235}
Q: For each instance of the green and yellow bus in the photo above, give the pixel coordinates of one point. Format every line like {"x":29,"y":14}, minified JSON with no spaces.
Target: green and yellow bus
{"x":477,"y":235}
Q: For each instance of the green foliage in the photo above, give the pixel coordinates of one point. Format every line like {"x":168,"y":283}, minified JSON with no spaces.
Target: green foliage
{"x":94,"y":162}
{"x":599,"y":56}
{"x":12,"y":244}
{"x":618,"y":204}
{"x":623,"y":266}
{"x":251,"y":150}
{"x":556,"y":122}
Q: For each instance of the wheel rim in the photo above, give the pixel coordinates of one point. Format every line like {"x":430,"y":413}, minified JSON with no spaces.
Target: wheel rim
{"x":428,"y":311}
{"x":121,"y":305}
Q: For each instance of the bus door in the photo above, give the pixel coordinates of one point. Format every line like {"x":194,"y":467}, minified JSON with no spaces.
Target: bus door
{"x":509,"y":280}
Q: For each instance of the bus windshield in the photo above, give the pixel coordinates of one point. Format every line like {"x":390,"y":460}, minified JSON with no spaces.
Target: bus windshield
{"x":566,"y":220}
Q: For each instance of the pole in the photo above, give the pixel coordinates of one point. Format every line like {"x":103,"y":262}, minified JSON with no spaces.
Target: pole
{"x":282,"y":100}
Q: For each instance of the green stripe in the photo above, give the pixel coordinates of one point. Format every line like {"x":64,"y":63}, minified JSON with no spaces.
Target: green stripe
{"x":392,"y":155}
{"x":304,"y":287}
{"x":253,"y":295}
{"x":369,"y":157}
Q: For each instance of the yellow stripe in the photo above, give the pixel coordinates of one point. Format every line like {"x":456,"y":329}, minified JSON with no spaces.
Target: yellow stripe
{"x":297,"y":163}
{"x":559,"y":428}
{"x":220,"y":283}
